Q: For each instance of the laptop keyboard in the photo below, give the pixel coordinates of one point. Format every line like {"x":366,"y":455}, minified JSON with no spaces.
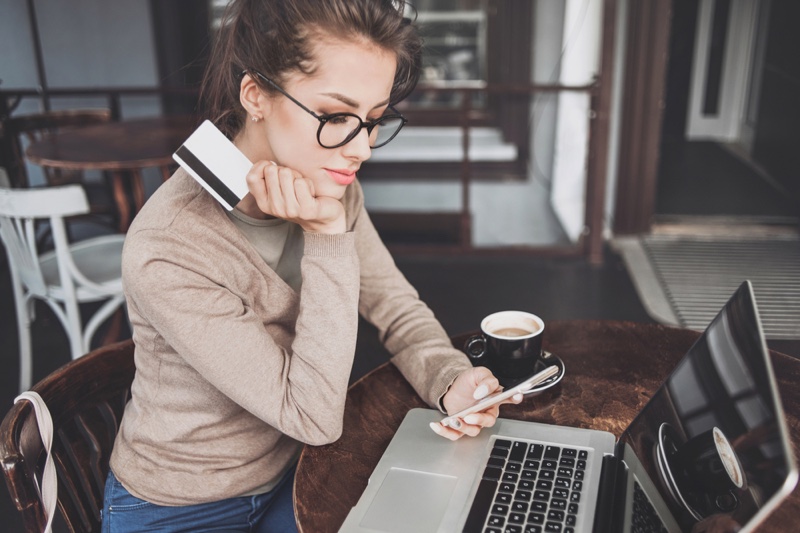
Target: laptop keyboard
{"x":528,"y":488}
{"x":644,"y":518}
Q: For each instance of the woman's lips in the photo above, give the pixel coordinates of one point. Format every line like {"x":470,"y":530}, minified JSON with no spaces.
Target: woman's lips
{"x":342,"y":177}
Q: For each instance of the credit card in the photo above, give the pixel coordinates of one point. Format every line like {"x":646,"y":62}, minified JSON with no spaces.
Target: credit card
{"x":215,"y":162}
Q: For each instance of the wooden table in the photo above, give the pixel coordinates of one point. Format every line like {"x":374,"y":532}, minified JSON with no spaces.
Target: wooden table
{"x":612,"y":369}
{"x":122,"y":148}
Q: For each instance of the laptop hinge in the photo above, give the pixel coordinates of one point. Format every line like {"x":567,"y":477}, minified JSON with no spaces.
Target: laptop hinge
{"x":611,"y":507}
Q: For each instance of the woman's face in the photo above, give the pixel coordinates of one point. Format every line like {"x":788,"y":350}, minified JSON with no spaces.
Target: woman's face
{"x":349,"y":78}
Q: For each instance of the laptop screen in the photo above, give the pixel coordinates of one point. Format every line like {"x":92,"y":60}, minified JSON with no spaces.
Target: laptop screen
{"x":713,"y":438}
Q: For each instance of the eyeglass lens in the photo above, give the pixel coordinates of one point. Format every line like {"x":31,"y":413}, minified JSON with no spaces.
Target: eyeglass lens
{"x":342,"y":128}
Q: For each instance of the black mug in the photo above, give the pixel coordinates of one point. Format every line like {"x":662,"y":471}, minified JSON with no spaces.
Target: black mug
{"x":510,"y":345}
{"x":710,"y":463}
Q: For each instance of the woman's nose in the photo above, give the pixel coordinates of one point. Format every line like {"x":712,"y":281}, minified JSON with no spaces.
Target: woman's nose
{"x":358,"y":148}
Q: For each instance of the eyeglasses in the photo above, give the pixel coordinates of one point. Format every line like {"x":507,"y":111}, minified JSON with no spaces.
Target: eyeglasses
{"x":338,"y":129}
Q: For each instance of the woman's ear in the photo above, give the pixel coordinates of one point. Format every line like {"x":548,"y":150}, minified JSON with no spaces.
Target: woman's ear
{"x":255,"y":102}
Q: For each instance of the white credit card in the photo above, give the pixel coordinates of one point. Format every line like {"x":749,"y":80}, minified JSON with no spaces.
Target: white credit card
{"x":215,"y":162}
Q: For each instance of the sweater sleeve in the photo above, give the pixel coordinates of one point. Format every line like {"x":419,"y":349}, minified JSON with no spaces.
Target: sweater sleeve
{"x":182,"y":297}
{"x":419,"y":345}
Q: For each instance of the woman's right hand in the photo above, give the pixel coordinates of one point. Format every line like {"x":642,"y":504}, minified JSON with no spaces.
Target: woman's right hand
{"x":284,"y":193}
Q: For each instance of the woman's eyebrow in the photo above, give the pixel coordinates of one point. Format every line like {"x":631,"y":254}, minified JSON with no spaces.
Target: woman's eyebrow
{"x":350,"y":102}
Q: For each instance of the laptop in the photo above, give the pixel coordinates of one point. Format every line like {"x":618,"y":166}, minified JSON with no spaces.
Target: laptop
{"x":709,"y":452}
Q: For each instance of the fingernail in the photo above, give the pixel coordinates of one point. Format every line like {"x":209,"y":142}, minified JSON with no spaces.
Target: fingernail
{"x":518,"y":397}
{"x":480,"y":392}
{"x":472,"y":419}
{"x":436,"y":429}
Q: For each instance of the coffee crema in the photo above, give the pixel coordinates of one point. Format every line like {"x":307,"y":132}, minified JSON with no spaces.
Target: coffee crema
{"x":513,"y":332}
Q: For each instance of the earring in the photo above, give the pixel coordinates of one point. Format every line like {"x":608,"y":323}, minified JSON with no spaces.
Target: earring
{"x":255,"y":118}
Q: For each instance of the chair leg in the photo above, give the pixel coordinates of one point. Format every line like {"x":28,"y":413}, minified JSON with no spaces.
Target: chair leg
{"x":23,"y":308}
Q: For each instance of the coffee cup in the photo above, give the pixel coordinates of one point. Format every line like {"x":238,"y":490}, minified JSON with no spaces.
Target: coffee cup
{"x":710,"y":463}
{"x":510,"y":345}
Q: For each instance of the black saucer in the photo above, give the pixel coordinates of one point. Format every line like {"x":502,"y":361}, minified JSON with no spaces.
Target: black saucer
{"x":548,"y":359}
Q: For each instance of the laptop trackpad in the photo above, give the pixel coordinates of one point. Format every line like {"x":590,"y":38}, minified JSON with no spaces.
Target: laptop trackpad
{"x":408,"y":500}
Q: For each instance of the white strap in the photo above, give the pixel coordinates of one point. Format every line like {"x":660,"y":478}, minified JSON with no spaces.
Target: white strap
{"x":49,"y":486}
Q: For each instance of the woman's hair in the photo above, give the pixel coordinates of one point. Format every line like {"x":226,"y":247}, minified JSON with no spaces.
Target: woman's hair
{"x":275,"y":37}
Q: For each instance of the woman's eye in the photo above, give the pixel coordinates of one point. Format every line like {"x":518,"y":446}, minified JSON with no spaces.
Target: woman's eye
{"x":338,"y":120}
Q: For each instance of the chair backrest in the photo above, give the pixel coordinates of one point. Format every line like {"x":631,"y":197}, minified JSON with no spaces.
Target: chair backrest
{"x":19,"y":211}
{"x":86,"y":399}
{"x":32,"y":127}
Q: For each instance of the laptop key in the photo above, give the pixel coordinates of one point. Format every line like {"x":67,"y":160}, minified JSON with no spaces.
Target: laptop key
{"x":571,"y":519}
{"x":550,"y":464}
{"x":497,"y":462}
{"x":496,"y":521}
{"x":519,"y":507}
{"x":552,"y":527}
{"x":529,"y":474}
{"x":555,"y":503}
{"x":516,"y":518}
{"x":565,"y":472}
{"x":561,"y":493}
{"x":572,"y":508}
{"x":506,"y":487}
{"x":492,"y":473}
{"x":541,"y":495}
{"x":518,"y":450}
{"x":503,"y":498}
{"x":522,"y":495}
{"x":492,"y":530}
{"x":535,"y":451}
{"x":583,"y":454}
{"x":480,"y":506}
{"x":579,"y":475}
{"x":530,"y":528}
{"x":563,"y":483}
{"x":499,"y":509}
{"x":511,"y":528}
{"x":569,"y":452}
{"x":555,"y":515}
{"x":525,"y":484}
{"x":539,"y":507}
{"x":535,"y":518}
{"x":552,"y":452}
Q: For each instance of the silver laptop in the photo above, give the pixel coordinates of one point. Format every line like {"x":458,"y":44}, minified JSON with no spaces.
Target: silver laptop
{"x":662,"y":475}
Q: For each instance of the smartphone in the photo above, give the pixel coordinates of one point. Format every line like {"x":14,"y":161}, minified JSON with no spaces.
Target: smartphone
{"x":454,"y":421}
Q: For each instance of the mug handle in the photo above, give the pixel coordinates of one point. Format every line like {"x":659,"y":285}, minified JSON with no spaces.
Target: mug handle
{"x":475,"y":346}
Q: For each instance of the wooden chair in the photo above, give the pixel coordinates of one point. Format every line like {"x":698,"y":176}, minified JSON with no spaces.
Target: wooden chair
{"x":86,"y":398}
{"x":86,"y":271}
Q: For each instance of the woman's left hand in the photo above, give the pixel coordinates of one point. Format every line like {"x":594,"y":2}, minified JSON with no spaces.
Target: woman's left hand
{"x":470,"y":386}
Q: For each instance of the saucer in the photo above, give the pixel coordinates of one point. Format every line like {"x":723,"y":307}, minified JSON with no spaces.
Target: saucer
{"x":668,"y":442}
{"x":548,"y":359}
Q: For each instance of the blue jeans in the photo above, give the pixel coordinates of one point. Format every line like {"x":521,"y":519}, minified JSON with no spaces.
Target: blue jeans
{"x":270,"y":512}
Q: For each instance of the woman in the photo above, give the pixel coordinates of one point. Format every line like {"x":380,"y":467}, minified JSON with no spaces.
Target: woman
{"x":245,"y":322}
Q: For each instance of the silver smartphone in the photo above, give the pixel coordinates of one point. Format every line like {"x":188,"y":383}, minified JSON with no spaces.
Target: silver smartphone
{"x":454,"y":420}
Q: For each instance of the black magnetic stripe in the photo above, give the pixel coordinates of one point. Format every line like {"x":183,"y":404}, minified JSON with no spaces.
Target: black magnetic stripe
{"x":206,"y":175}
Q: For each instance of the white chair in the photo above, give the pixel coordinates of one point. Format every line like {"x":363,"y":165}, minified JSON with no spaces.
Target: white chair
{"x":70,"y":274}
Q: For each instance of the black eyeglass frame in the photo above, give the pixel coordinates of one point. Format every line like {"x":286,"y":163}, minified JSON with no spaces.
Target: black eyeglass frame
{"x":324,"y":119}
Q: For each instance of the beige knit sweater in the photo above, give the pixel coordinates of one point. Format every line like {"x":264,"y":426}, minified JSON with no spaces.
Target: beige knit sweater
{"x":234,"y":369}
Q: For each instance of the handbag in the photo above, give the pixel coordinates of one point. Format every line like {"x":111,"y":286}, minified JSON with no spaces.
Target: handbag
{"x":48,"y":488}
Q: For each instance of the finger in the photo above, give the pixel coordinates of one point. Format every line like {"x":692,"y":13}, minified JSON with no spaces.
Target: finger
{"x":445,"y":432}
{"x":256,"y":183}
{"x":289,"y":193}
{"x":306,"y":202}
{"x":485,"y":419}
{"x":274,"y":193}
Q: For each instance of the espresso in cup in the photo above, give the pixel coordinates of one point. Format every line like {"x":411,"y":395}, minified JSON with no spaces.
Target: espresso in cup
{"x":510,"y":345}
{"x":711,"y":463}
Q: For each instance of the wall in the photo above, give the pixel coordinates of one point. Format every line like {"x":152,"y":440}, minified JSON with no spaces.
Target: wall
{"x":85,"y":43}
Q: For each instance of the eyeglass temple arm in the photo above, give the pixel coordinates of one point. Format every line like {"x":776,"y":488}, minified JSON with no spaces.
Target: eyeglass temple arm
{"x":284,"y":93}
